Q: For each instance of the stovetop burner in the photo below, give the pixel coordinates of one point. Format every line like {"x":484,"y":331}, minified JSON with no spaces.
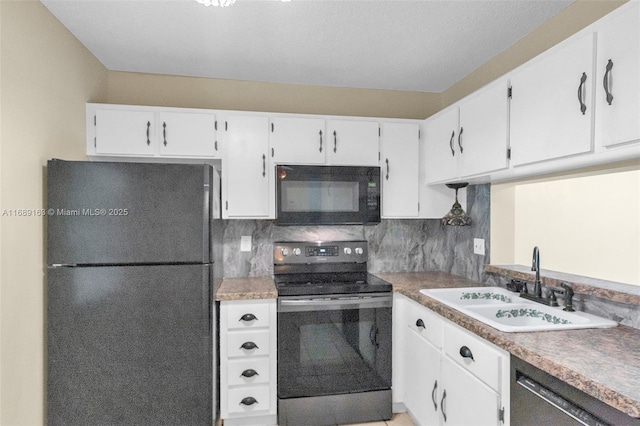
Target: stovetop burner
{"x":322,"y":268}
{"x":373,"y":284}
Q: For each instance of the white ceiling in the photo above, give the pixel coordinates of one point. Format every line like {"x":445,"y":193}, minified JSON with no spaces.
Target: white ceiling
{"x":423,"y":45}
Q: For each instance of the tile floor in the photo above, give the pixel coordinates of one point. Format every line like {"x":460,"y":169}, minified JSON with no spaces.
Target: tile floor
{"x":401,"y":419}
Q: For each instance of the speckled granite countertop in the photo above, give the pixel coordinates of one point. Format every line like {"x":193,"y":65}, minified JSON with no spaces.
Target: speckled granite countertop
{"x":246,"y":289}
{"x":604,"y":363}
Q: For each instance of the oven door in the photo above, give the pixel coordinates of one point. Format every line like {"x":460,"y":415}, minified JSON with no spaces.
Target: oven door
{"x":327,"y":195}
{"x":331,"y":345}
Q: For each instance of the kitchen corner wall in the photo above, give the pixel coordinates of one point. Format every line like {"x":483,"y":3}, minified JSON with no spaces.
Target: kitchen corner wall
{"x":395,"y":245}
{"x":47,"y":77}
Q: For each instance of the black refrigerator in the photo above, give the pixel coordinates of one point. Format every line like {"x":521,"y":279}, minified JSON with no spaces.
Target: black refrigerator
{"x":133,"y":253}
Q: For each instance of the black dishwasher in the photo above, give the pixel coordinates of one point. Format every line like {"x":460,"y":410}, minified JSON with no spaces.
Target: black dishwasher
{"x":537,"y":398}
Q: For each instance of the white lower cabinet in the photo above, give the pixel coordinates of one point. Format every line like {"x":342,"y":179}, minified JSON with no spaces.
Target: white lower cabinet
{"x":248,"y":372}
{"x":445,"y":375}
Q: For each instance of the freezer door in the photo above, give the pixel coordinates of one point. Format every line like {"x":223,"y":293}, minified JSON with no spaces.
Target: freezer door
{"x":127,"y":213}
{"x":129,"y":345}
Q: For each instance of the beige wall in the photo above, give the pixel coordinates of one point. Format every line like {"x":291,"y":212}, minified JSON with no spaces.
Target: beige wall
{"x":47,"y":76}
{"x":585,"y":222}
{"x":164,"y":90}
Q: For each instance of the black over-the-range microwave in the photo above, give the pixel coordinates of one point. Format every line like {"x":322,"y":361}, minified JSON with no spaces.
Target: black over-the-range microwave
{"x":327,"y":195}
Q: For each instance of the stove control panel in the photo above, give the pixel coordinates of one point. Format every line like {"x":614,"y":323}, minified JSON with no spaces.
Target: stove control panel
{"x":291,"y":252}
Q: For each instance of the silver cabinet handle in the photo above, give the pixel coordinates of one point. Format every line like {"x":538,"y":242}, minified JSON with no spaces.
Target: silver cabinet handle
{"x":335,"y":141}
{"x":264,"y":165}
{"x":453,"y":134}
{"x":387,"y":161}
{"x":605,"y":81}
{"x":433,"y":396}
{"x":164,"y":133}
{"x":148,"y":128}
{"x":320,"y":140}
{"x":460,"y":139}
{"x":444,"y":413}
{"x":581,"y":88}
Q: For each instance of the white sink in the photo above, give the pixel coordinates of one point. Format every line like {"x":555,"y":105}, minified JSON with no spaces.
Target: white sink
{"x":507,"y":311}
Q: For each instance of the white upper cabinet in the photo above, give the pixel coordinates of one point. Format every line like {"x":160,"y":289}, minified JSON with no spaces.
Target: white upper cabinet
{"x":470,"y":137}
{"x":246,"y":177}
{"x":352,"y":143}
{"x":484,"y":132}
{"x":399,"y":169}
{"x":618,"y":77}
{"x":441,"y":153}
{"x":298,"y":140}
{"x":552,"y":104}
{"x":187,"y":134}
{"x":138,"y":131}
{"x":124,"y":132}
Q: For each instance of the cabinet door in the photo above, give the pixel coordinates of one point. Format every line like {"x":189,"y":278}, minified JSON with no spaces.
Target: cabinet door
{"x":483,"y":135}
{"x":551,"y":106}
{"x":441,"y":150}
{"x":125,"y":132}
{"x":352,"y":143}
{"x":246,"y":175}
{"x":399,"y":169}
{"x":618,"y":77}
{"x":465,"y":400}
{"x":298,"y":140}
{"x":187,"y":134}
{"x":422,"y":384}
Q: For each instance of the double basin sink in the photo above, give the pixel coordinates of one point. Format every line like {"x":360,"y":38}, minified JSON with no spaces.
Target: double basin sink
{"x":507,"y":311}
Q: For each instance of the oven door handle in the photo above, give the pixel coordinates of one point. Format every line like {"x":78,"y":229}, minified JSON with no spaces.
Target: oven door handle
{"x":334,"y":303}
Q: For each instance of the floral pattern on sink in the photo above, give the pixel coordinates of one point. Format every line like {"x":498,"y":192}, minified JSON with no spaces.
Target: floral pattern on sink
{"x":485,"y":296}
{"x":533,"y":313}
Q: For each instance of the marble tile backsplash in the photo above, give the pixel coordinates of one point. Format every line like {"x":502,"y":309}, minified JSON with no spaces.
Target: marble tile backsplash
{"x":399,"y":245}
{"x":395,"y":245}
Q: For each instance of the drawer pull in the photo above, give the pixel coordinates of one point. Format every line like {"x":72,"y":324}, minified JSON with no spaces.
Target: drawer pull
{"x":248,"y":317}
{"x":248,"y":401}
{"x":465,"y":352}
{"x":420,"y":323}
{"x":444,"y":413}
{"x":247,"y":346}
{"x":249,"y":373}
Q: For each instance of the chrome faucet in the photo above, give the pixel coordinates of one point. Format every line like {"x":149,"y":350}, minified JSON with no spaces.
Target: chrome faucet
{"x":535,"y":266}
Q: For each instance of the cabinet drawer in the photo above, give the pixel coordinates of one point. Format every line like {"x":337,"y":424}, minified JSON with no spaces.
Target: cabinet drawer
{"x":247,"y":315}
{"x":236,"y":340}
{"x":487,"y":361}
{"x":237,"y":367}
{"x":424,"y":322}
{"x":261,"y":394}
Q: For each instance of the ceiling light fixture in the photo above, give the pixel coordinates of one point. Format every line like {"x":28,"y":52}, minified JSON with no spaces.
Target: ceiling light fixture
{"x":222,"y":3}
{"x":456,"y":216}
{"x":216,"y":3}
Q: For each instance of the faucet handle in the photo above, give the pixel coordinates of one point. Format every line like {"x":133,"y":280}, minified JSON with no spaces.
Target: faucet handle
{"x":568,"y":297}
{"x":553,"y":301}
